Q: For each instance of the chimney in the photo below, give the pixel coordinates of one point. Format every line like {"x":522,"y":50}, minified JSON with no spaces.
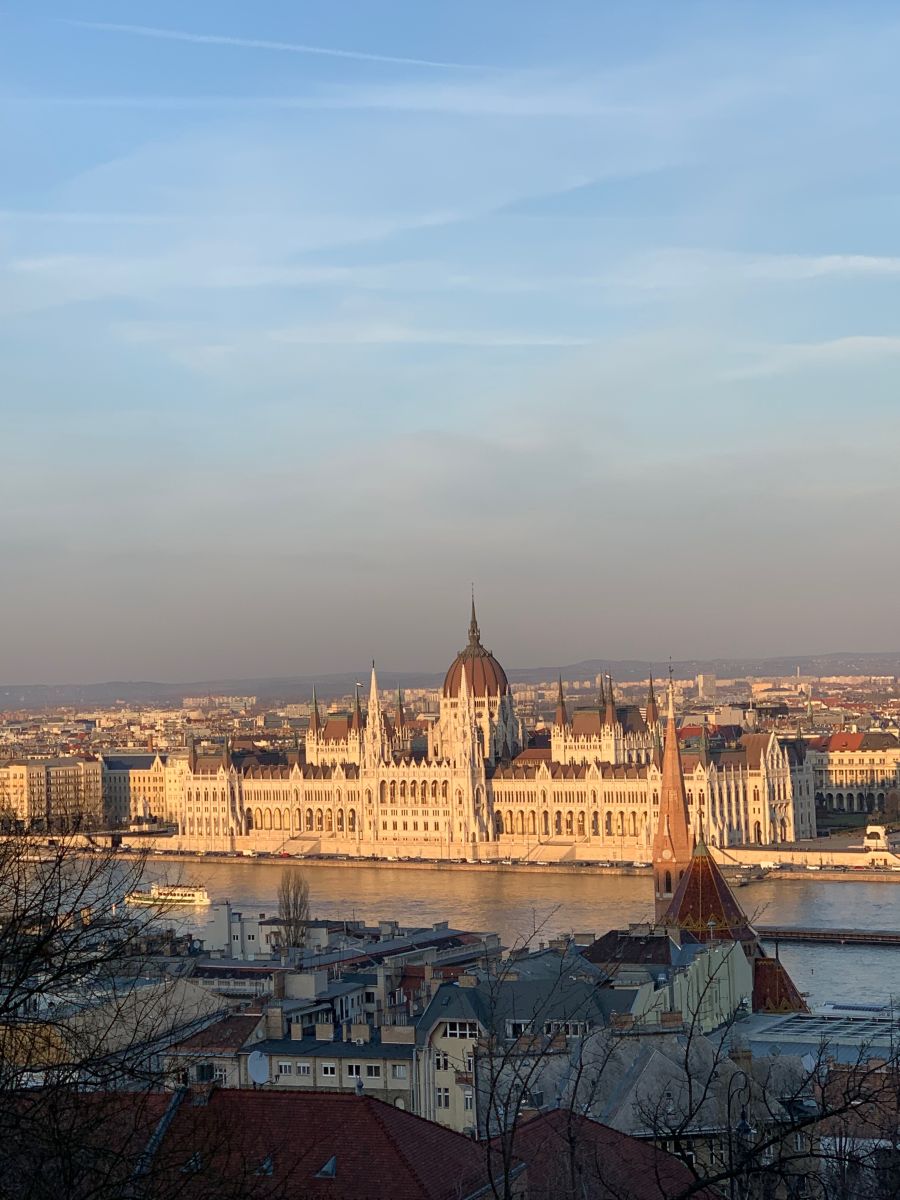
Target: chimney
{"x":324,"y":1031}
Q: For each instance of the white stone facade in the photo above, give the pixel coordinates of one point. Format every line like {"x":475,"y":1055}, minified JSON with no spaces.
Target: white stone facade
{"x":475,"y":794}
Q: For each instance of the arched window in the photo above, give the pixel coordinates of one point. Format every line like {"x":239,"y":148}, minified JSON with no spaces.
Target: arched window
{"x":351,"y":820}
{"x":434,"y":789}
{"x":393,"y":791}
{"x":757,"y":833}
{"x":520,"y":822}
{"x":668,"y":883}
{"x":570,"y":827}
{"x":632,"y":824}
{"x":276,"y":817}
{"x":248,"y":817}
{"x":498,"y":823}
{"x":403,"y":790}
{"x":557,"y":822}
{"x":532,"y":823}
{"x":320,"y":820}
{"x":581,"y":824}
{"x":328,"y":822}
{"x":340,"y":820}
{"x":298,"y":822}
{"x":412,"y":791}
{"x":309,"y":818}
{"x":382,"y":791}
{"x":257,"y":819}
{"x":267,"y":818}
{"x":595,"y":824}
{"x":620,"y":824}
{"x":545,"y":823}
{"x":445,"y":790}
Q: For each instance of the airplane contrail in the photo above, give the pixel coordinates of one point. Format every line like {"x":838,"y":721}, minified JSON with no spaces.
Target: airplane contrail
{"x":215,"y":39}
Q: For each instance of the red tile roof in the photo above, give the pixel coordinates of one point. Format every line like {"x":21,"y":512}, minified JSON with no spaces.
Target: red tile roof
{"x":379,"y":1152}
{"x":226,"y":1035}
{"x":607,"y":1165}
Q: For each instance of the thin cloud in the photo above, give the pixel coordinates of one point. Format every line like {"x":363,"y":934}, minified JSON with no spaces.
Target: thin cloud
{"x":844,"y":351}
{"x":399,"y":335}
{"x":215,"y":39}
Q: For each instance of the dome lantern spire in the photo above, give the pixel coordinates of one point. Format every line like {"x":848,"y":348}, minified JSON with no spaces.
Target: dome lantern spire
{"x":474,"y":631}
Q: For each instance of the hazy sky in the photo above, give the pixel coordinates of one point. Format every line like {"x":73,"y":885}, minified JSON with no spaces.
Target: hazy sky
{"x":313,"y":313}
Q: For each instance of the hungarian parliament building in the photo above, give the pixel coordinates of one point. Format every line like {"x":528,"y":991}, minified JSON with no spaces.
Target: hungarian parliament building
{"x":370,"y":782}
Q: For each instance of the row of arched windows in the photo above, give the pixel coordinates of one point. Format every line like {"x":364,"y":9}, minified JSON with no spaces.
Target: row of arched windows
{"x":319,"y":820}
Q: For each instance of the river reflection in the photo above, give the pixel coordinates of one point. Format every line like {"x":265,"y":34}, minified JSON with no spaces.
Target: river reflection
{"x":516,"y":904}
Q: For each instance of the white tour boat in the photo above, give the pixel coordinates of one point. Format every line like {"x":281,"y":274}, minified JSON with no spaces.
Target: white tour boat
{"x":169,"y":893}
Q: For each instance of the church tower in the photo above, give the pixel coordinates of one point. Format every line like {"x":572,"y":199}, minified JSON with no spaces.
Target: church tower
{"x":672,"y":843}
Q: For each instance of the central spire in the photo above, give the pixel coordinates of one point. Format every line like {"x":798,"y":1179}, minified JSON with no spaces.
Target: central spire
{"x":474,"y":631}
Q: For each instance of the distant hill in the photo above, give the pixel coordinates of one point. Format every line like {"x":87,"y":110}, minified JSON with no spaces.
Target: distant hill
{"x":299,"y":687}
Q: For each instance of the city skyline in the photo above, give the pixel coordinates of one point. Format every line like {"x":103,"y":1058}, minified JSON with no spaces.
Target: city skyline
{"x":311,"y":317}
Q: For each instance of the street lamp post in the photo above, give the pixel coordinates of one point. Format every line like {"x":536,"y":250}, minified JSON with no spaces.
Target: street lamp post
{"x":739,"y":1135}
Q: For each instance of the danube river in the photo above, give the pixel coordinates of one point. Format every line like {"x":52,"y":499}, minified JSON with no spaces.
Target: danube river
{"x":515,"y":904}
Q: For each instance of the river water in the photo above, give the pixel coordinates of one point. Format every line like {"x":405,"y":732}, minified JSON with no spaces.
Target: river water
{"x":516,"y":904}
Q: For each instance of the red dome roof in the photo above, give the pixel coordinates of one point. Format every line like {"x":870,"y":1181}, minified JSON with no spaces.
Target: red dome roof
{"x":484,"y":675}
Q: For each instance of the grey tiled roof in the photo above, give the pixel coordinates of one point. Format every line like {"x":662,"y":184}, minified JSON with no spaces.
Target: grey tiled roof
{"x":312,"y":1048}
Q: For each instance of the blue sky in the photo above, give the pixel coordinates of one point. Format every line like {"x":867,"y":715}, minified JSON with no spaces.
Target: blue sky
{"x":313,"y":313}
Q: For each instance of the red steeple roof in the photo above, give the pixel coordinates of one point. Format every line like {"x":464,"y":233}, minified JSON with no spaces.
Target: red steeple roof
{"x":773,"y":989}
{"x":673,"y":841}
{"x":705,"y":906}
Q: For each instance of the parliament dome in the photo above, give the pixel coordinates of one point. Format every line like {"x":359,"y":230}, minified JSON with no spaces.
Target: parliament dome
{"x":484,"y":675}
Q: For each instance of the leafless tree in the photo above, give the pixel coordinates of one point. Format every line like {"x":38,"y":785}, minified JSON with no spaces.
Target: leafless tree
{"x":293,"y":906}
{"x":742,"y":1127}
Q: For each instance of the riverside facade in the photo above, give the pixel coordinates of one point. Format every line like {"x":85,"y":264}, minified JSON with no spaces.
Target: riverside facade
{"x":367,"y":783}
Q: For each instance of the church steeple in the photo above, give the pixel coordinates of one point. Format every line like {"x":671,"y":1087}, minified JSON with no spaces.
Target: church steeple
{"x":315,"y":725}
{"x":561,"y":719}
{"x":672,"y":843}
{"x":401,"y":720}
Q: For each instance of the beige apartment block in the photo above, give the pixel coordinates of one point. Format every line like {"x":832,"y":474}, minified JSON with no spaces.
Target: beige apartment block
{"x":52,"y":794}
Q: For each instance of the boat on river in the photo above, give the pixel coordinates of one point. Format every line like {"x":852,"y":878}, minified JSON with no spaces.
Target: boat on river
{"x":169,"y":893}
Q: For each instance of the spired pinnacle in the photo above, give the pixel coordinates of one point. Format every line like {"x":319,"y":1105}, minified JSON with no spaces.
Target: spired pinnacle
{"x":562,"y":717}
{"x":474,"y":631}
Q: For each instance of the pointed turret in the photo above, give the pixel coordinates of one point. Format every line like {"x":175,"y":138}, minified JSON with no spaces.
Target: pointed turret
{"x":610,"y":717}
{"x":374,"y":702}
{"x":704,"y":745}
{"x":375,"y":747}
{"x":356,"y":721}
{"x":601,"y":698}
{"x":315,"y":725}
{"x":652,"y":707}
{"x":672,"y":842}
{"x":561,"y":719}
{"x":401,"y":720}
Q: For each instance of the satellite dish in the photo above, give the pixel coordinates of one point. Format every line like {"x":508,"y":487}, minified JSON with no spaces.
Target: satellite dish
{"x":258,"y":1066}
